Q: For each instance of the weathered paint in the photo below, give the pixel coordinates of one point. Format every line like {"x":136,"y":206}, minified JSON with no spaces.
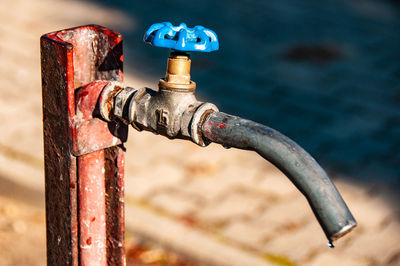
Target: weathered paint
{"x":60,"y":165}
{"x":92,"y":133}
{"x":92,"y":209}
{"x":114,"y":178}
{"x":71,"y":59}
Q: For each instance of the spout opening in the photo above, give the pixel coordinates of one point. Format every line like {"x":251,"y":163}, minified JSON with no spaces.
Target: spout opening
{"x":344,"y":231}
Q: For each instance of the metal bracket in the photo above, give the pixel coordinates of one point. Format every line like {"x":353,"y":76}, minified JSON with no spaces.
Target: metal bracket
{"x":84,"y":162}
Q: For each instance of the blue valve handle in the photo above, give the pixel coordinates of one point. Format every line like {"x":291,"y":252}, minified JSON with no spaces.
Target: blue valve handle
{"x":182,"y":38}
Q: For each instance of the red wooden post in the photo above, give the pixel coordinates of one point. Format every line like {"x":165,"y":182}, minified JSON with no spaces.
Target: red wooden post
{"x":84,"y":157}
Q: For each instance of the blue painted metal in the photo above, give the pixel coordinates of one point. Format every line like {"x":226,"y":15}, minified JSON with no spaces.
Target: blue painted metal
{"x":182,"y":38}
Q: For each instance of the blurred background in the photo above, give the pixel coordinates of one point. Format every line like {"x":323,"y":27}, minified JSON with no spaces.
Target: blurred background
{"x":326,"y":74}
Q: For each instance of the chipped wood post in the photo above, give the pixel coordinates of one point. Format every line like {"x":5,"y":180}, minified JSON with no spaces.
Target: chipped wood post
{"x":84,"y":156}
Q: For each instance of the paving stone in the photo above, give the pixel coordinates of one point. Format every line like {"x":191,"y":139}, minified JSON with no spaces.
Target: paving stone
{"x":249,"y":233}
{"x":379,"y":245}
{"x":298,"y":245}
{"x":213,"y":180}
{"x":160,"y":176}
{"x":352,"y":192}
{"x":371,"y":213}
{"x":331,"y":259}
{"x":233,"y":205}
{"x":16,"y":169}
{"x":276,"y":184}
{"x":191,"y":242}
{"x":287,"y":215}
{"x":209,"y":189}
{"x":394,"y":261}
{"x":233,"y":174}
{"x":174,"y":204}
{"x":23,"y":235}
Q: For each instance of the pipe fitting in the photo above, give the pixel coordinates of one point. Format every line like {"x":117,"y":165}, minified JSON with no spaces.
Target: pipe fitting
{"x":197,"y":122}
{"x":164,"y":112}
{"x":170,"y":112}
{"x":106,"y":99}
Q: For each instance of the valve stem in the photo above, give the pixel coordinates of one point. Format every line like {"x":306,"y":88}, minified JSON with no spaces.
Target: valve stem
{"x":178,"y":68}
{"x":177,"y":76}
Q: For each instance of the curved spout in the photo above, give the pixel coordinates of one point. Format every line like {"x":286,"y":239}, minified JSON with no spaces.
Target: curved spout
{"x":305,"y":173}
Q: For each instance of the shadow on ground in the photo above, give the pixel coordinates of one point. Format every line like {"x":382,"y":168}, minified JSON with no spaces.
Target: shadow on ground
{"x":22,"y":193}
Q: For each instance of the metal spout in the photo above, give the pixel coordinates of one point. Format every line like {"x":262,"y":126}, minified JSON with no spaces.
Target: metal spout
{"x":305,"y":173}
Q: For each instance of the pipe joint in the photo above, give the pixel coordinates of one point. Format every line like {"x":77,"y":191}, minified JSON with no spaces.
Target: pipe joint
{"x":169,"y":112}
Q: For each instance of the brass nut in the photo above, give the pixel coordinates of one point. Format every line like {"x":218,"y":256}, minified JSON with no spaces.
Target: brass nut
{"x":178,"y":69}
{"x":163,"y":84}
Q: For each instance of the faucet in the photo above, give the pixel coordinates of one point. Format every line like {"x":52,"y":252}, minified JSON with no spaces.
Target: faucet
{"x":173,"y":111}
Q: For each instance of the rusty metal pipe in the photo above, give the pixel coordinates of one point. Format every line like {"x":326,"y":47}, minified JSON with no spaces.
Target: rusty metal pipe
{"x":92,"y":209}
{"x":305,"y":173}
